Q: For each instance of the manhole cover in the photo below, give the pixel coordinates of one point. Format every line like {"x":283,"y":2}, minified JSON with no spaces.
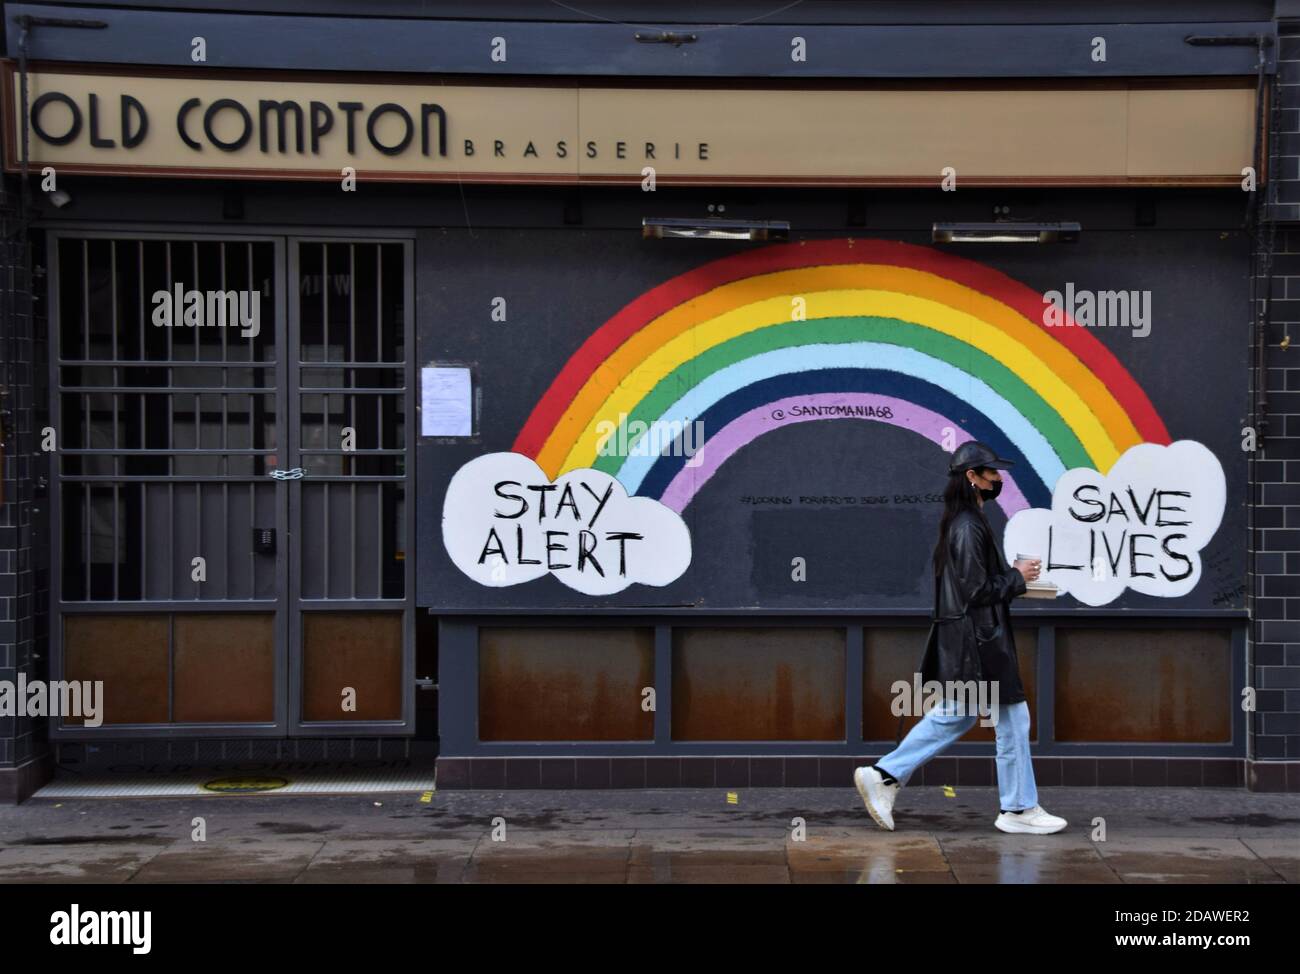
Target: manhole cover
{"x":243,"y":786}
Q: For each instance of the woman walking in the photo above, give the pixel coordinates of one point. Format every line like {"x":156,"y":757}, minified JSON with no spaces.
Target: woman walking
{"x":971,"y":640}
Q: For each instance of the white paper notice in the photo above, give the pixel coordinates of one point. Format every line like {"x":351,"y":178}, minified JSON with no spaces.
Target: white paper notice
{"x":445,"y":402}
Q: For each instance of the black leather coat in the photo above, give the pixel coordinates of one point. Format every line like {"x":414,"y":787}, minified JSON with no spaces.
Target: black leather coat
{"x":971,"y":638}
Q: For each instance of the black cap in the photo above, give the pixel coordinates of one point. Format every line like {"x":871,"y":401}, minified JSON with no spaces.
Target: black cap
{"x":974,"y":454}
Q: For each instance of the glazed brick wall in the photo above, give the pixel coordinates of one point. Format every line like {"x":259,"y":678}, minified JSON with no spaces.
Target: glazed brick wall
{"x":23,"y":580}
{"x":1275,"y":589}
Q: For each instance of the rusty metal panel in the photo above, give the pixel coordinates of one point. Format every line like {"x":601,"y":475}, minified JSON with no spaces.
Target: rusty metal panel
{"x":888,"y":654}
{"x":742,"y":684}
{"x":225,"y":667}
{"x":1165,"y":685}
{"x":557,"y":684}
{"x":361,"y":650}
{"x":130,"y":654}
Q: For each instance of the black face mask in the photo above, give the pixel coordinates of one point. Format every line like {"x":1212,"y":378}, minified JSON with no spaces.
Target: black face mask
{"x":990,"y":494}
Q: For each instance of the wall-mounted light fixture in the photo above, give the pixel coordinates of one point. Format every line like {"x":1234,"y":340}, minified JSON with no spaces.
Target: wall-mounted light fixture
{"x":711,"y":228}
{"x":1005,"y":232}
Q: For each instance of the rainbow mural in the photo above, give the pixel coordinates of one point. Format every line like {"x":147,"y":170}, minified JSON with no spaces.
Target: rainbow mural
{"x":941,"y":341}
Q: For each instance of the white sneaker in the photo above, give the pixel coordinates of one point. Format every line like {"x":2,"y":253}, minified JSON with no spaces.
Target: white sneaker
{"x":876,"y":795}
{"x":1035,"y":821}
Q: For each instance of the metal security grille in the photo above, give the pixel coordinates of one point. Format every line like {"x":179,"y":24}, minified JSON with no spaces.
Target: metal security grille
{"x":165,"y":432}
{"x":230,"y":442}
{"x":349,"y":310}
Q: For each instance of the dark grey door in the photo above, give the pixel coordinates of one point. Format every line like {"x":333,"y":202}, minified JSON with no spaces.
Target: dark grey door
{"x":350,"y":321}
{"x":229,"y":486}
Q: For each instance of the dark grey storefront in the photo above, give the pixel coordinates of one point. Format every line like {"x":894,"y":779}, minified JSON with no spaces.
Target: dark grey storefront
{"x":295,"y":465}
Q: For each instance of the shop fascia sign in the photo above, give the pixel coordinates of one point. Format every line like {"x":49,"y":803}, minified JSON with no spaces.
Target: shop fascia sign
{"x":281,"y":129}
{"x":283,"y":120}
{"x":283,"y":125}
{"x":293,"y":127}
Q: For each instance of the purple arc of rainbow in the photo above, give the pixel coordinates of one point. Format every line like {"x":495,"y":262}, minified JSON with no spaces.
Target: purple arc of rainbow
{"x":749,"y":426}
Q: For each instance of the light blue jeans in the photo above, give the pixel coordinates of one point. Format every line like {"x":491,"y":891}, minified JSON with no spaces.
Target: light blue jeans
{"x":941,"y":726}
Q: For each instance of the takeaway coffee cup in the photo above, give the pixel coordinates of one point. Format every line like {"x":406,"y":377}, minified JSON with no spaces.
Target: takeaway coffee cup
{"x":1028,"y":558}
{"x":1039,"y":588}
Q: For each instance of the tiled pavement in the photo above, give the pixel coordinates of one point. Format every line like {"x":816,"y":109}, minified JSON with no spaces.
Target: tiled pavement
{"x":1152,"y":835}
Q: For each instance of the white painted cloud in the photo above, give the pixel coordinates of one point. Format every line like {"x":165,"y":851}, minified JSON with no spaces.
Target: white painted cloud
{"x":1141,"y":526}
{"x":505,"y":522}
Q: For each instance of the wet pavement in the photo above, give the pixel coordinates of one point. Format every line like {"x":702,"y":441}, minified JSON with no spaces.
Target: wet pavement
{"x":769,"y":835}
